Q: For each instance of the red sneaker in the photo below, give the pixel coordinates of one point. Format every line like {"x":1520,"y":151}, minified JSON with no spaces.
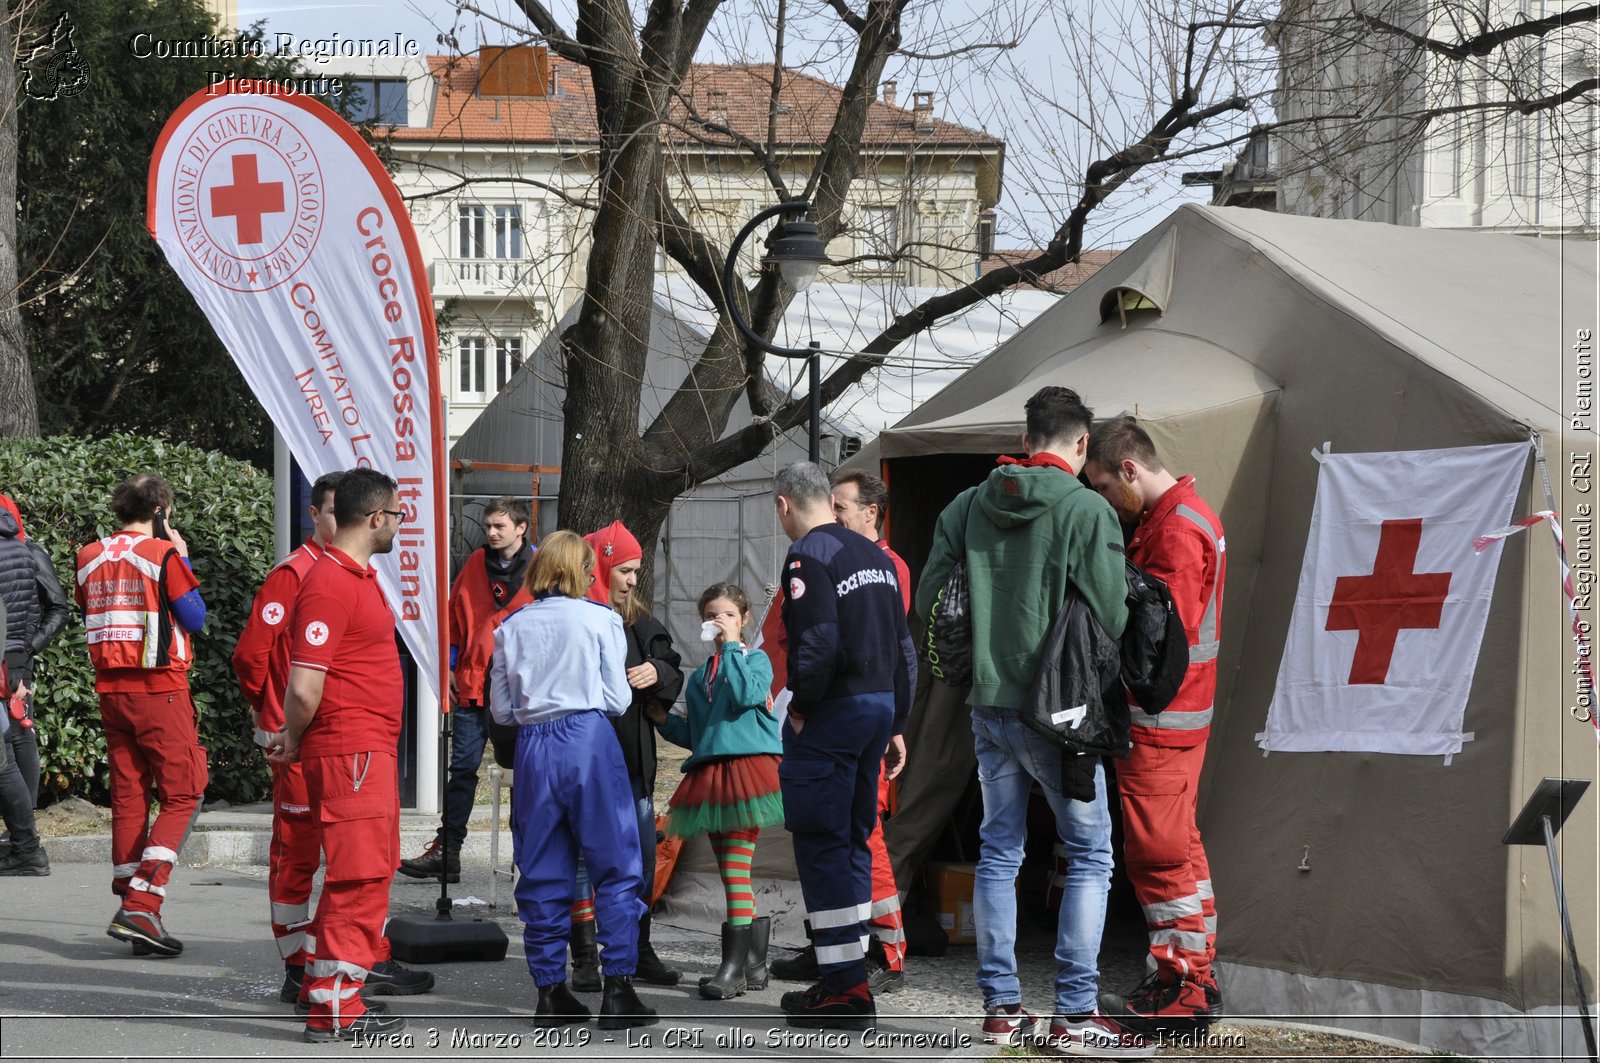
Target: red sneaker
{"x":1008,"y":1024}
{"x":1096,"y":1034}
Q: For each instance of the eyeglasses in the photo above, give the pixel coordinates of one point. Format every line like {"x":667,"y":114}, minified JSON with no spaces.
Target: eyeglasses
{"x":398,"y":515}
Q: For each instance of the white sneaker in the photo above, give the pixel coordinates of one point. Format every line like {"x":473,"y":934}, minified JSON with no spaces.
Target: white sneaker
{"x":1008,"y":1025}
{"x":1096,"y":1035}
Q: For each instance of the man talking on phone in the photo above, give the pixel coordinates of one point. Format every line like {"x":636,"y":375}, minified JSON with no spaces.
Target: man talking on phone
{"x":141,"y":604}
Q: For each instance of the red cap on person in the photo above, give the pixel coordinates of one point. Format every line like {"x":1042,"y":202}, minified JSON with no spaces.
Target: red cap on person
{"x":613,"y":545}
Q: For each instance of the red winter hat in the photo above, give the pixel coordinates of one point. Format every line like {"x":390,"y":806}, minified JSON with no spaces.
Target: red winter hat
{"x":613,"y":545}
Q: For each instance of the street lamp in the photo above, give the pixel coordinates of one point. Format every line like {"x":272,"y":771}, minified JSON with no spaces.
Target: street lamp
{"x":795,"y":247}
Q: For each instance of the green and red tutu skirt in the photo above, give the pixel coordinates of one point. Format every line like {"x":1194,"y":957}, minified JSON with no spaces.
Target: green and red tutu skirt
{"x":735,"y":793}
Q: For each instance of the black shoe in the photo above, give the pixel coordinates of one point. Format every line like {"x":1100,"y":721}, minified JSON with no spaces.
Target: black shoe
{"x":294,"y":977}
{"x":557,"y":1006}
{"x":303,"y":1007}
{"x":32,"y":863}
{"x":585,"y":958}
{"x":801,"y":967}
{"x":880,"y":978}
{"x":372,"y":1023}
{"x":621,"y":1006}
{"x":433,"y":860}
{"x":650,"y":968}
{"x":817,"y":1008}
{"x":1157,"y":1006}
{"x":389,"y":979}
{"x":144,"y":928}
{"x":729,"y":982}
{"x":1213,"y":999}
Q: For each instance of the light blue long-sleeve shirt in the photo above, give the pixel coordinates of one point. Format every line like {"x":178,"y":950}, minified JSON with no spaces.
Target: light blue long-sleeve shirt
{"x":558,"y":656}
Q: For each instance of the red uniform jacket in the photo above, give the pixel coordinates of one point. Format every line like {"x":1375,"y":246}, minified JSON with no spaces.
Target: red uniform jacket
{"x":1180,"y":542}
{"x":261,"y":656}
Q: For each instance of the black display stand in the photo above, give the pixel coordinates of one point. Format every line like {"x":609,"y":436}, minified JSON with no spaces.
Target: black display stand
{"x":1536,"y":824}
{"x":444,"y":938}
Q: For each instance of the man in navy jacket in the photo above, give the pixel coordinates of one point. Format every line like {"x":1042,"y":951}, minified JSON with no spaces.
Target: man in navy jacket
{"x":852,"y":671}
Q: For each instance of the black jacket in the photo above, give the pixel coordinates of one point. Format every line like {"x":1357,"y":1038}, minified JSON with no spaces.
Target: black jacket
{"x":36,"y":604}
{"x":1075,"y":698}
{"x":648,"y":641}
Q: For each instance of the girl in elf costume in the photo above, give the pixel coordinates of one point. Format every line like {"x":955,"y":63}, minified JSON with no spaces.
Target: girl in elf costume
{"x":730,"y":783}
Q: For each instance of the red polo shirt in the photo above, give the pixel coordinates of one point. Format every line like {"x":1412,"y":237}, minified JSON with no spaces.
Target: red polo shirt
{"x":344,"y":627}
{"x":261,"y":656}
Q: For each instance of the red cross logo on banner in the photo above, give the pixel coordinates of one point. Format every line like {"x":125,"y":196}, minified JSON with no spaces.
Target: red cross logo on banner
{"x":1393,"y":597}
{"x":247,"y":200}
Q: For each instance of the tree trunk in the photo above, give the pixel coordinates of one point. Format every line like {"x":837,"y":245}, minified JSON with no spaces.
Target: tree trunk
{"x":19,"y":406}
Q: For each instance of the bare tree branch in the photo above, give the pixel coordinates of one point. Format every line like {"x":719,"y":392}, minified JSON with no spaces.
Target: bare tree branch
{"x":848,"y":17}
{"x":556,"y":37}
{"x":1486,"y":40}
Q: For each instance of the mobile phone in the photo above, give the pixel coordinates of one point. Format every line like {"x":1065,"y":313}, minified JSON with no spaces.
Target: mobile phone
{"x":160,"y":525}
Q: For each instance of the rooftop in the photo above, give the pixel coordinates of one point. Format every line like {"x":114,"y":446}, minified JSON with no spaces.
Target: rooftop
{"x":736,"y":96}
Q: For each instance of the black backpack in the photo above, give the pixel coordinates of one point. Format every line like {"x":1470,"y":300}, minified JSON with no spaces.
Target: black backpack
{"x":1155,"y":648}
{"x":949,"y":645}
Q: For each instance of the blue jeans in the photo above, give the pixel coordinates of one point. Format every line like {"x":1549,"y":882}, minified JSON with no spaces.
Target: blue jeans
{"x":469,"y":730}
{"x":1011,"y":758}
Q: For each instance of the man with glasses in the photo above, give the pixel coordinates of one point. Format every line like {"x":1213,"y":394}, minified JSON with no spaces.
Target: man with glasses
{"x":342,"y":718}
{"x":860,"y":503}
{"x":261,"y":661}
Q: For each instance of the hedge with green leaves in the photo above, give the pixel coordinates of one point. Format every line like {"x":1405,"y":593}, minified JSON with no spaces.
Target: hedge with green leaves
{"x":223,"y":507}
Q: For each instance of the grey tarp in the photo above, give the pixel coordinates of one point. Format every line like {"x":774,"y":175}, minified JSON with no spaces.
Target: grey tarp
{"x":1274,"y":335}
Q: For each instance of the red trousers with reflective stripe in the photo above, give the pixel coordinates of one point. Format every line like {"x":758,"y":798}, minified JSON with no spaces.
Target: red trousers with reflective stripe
{"x":356,"y":801}
{"x":885,"y":923}
{"x":151,"y":744}
{"x":1165,"y":860}
{"x":292,"y":861}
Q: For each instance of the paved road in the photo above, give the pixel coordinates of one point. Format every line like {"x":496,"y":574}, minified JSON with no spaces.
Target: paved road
{"x":69,"y":991}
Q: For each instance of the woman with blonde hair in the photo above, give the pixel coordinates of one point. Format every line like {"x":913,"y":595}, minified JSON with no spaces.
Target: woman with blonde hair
{"x":557,"y":673}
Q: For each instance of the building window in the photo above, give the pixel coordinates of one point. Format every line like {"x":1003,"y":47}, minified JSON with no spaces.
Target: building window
{"x":472,"y":358}
{"x":881,"y":229}
{"x":380,"y":100}
{"x":508,"y":232}
{"x":473,"y":221}
{"x":986,"y":234}
{"x":508,"y":359}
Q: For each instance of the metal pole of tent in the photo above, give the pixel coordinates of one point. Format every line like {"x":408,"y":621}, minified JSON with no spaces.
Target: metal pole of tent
{"x":1566,"y":933}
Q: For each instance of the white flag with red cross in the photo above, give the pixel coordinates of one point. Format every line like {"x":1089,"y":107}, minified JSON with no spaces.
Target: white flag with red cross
{"x":285,"y":227}
{"x":1393,"y":600}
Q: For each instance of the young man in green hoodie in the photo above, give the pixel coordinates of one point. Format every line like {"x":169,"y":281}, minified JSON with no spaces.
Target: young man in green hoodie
{"x":1027,"y":533}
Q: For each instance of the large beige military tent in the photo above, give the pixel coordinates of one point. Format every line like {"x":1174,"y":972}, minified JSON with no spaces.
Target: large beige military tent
{"x":1368,"y":891}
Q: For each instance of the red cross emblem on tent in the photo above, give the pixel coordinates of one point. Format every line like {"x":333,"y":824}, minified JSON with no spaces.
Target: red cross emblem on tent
{"x":1393,"y":597}
{"x":248,"y":199}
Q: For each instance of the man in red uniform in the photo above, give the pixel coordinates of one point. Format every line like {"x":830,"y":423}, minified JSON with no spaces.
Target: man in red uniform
{"x":1179,"y":540}
{"x":261,"y":660}
{"x":860,"y":503}
{"x":342,"y":723}
{"x":488,"y":581}
{"x":140,"y":604}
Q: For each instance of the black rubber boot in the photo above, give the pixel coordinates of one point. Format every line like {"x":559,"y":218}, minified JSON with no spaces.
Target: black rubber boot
{"x":801,"y":967}
{"x":755,"y":967}
{"x":621,"y":1006}
{"x":585,"y":958}
{"x":557,"y":1007}
{"x":650,"y":968}
{"x":728,"y":982}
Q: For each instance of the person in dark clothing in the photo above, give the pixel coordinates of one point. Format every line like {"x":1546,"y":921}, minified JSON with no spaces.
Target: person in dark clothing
{"x":487,"y":582}
{"x":852,"y":670}
{"x":36,"y":611}
{"x":656,"y":677}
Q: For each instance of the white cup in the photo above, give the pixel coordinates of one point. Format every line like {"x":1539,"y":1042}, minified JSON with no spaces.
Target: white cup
{"x":709,"y":631}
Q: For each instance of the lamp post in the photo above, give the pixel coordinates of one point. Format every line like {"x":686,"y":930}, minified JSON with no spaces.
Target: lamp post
{"x":795,"y":247}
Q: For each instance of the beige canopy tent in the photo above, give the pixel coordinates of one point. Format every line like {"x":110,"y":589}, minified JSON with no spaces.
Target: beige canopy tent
{"x":1244,"y":339}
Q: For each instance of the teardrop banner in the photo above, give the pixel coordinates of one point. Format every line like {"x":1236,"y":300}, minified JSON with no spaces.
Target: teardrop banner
{"x":290,"y":235}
